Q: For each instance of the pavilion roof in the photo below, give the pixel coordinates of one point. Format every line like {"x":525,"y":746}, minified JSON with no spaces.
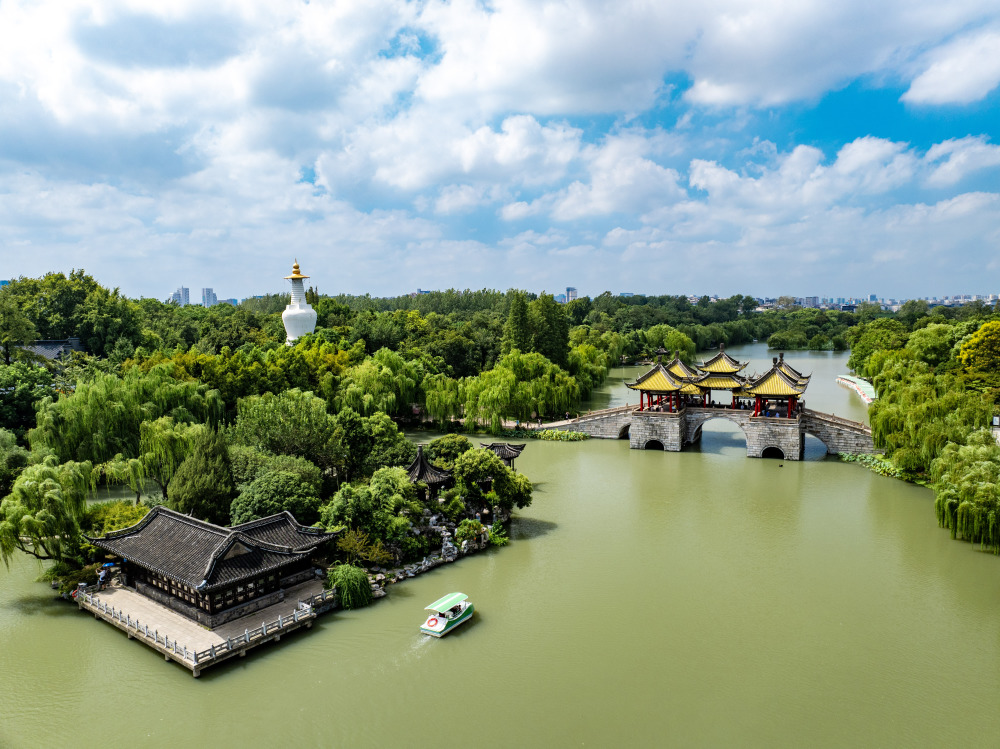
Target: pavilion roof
{"x":207,"y":556}
{"x":722,"y":363}
{"x":422,"y":470}
{"x":657,"y":380}
{"x":789,"y":370}
{"x":503,"y":450}
{"x":774,"y":383}
{"x":723,"y":381}
{"x":681,"y":370}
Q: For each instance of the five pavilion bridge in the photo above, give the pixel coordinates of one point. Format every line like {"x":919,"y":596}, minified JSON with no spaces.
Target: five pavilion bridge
{"x":766,"y":436}
{"x":675,"y":401}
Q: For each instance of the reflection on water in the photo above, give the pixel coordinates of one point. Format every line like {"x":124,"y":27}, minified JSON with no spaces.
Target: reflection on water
{"x":647,"y":599}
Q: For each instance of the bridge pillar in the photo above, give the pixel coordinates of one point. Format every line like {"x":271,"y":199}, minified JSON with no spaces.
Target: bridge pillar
{"x":784,"y":434}
{"x":653,"y":426}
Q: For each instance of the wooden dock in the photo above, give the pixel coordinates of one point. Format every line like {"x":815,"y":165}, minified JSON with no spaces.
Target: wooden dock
{"x":193,"y":646}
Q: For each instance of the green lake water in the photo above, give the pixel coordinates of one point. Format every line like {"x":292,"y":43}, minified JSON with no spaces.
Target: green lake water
{"x":648,"y":599}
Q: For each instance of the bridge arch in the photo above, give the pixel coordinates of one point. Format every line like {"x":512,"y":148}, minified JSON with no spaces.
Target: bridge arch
{"x":695,"y":422}
{"x":653,"y":445}
{"x":773,"y":451}
{"x":623,"y":433}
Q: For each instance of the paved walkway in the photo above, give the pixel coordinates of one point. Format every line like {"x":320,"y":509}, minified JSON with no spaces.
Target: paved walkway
{"x":189,"y":633}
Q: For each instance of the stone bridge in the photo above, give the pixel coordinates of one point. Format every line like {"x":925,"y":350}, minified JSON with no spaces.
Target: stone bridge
{"x":765,"y":436}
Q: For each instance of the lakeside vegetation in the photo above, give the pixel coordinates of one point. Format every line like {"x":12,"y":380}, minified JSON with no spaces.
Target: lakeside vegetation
{"x":213,"y":412}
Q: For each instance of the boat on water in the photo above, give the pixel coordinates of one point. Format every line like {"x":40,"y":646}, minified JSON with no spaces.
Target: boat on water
{"x":447,"y":613}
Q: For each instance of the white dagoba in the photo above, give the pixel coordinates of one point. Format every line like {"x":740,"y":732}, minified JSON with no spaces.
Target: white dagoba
{"x":299,"y":317}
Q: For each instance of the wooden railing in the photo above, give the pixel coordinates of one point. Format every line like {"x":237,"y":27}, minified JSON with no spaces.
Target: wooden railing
{"x":304,"y":610}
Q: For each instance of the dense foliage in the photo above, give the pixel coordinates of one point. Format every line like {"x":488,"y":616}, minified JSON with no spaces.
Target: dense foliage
{"x":210,"y":408}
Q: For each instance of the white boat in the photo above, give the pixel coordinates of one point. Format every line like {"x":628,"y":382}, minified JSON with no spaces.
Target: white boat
{"x":447,"y":613}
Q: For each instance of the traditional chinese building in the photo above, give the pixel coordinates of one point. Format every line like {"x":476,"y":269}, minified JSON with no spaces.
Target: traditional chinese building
{"x":504,"y":450}
{"x":213,"y":574}
{"x":778,"y":391}
{"x":661,"y":390}
{"x":422,"y":471}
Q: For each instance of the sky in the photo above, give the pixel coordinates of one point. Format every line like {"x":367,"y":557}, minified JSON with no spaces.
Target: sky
{"x":766,"y":147}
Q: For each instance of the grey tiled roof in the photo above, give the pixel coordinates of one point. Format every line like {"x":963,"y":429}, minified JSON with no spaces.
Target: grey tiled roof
{"x":422,"y":470}
{"x":503,"y":450}
{"x":197,"y":553}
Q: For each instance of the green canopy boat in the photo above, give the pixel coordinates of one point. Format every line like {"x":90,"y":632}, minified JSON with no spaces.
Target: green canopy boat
{"x":447,"y":613}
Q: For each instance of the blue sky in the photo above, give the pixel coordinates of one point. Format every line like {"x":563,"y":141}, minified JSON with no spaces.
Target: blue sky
{"x":772,"y":147}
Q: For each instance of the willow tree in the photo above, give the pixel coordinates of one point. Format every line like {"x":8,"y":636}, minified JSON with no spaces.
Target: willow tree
{"x":967,"y":481}
{"x":589,"y":365}
{"x":102,"y":418}
{"x":442,"y":399}
{"x":383,"y":382}
{"x":519,"y":386}
{"x":41,"y":516}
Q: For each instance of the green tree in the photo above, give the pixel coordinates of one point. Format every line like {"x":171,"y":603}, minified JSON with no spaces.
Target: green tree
{"x":41,"y":516}
{"x":981,"y":352}
{"x":480,"y":471}
{"x":444,"y":451}
{"x":249,"y":462}
{"x":383,"y":509}
{"x":203,"y":484}
{"x":102,"y":418}
{"x":518,"y":386}
{"x":21,"y":387}
{"x":880,"y":334}
{"x":16,"y":329}
{"x":933,"y":343}
{"x":517,"y":329}
{"x":384,"y":382}
{"x":550,"y":330}
{"x":352,"y":584}
{"x":274,"y":492}
{"x":13,"y":460}
{"x":290,"y":423}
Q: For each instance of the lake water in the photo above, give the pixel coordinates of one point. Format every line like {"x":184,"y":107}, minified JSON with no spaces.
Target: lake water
{"x":648,"y":599}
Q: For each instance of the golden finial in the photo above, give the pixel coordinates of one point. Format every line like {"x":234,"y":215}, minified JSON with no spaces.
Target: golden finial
{"x":295,"y":271}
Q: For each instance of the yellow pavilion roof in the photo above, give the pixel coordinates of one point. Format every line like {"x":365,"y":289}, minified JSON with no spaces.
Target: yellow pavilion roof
{"x":774,"y":383}
{"x":679,"y":369}
{"x":722,"y":381}
{"x":657,"y":380}
{"x":721,"y":363}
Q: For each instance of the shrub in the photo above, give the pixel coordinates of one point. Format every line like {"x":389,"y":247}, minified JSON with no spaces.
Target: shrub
{"x":352,"y":585}
{"x":498,"y":535}
{"x":468,"y":530}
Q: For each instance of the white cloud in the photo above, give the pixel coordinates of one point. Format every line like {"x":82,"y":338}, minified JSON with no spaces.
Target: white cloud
{"x":964,"y":156}
{"x":960,"y":72}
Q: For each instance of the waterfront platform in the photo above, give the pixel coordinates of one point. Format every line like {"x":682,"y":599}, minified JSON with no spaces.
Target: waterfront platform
{"x":195,"y":647}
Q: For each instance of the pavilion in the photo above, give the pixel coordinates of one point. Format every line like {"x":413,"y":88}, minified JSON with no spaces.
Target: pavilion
{"x":505,"y":451}
{"x":778,"y":391}
{"x":422,"y":471}
{"x":672,"y":386}
{"x":660,"y":390}
{"x":213,"y":574}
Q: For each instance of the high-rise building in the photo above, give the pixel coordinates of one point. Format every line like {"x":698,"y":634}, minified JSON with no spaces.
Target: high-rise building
{"x":4,"y":283}
{"x":208,"y":298}
{"x":872,"y":298}
{"x":570,"y":294}
{"x":182,"y":296}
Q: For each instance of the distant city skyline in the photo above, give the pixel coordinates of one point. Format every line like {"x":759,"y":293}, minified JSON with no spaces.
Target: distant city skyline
{"x":739,"y":148}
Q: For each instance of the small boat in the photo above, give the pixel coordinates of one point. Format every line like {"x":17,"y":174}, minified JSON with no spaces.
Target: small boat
{"x":446,"y":614}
